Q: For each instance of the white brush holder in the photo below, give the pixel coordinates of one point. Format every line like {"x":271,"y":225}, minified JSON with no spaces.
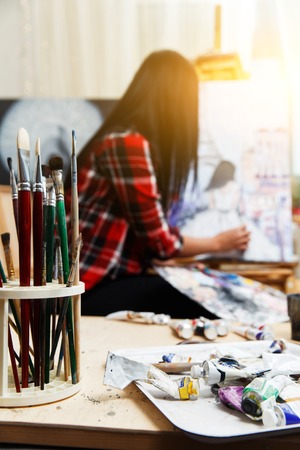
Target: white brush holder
{"x":58,"y":388}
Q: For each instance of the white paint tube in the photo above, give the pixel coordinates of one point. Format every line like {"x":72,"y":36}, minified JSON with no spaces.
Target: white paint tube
{"x":253,"y":334}
{"x":121,"y":371}
{"x":184,"y":388}
{"x":214,"y":373}
{"x":183,"y":328}
{"x":146,"y":317}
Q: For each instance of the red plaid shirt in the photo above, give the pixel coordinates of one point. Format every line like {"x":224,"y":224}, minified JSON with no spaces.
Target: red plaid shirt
{"x":121,"y":218}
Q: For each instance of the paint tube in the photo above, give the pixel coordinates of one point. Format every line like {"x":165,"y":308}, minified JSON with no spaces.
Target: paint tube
{"x":205,"y":328}
{"x":175,"y":358}
{"x":183,"y":328}
{"x":184,"y":388}
{"x":277,"y":346}
{"x":253,"y":334}
{"x":214,"y":373}
{"x":121,"y":371}
{"x":259,"y":390}
{"x":281,"y":414}
{"x":221,"y":325}
{"x":259,"y":326}
{"x":146,"y":317}
{"x":286,"y":413}
{"x":231,"y":396}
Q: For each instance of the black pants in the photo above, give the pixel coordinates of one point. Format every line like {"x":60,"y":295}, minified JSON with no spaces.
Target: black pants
{"x":140,"y":293}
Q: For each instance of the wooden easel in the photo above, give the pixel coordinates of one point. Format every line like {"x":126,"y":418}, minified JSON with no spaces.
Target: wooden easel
{"x":216,"y":65}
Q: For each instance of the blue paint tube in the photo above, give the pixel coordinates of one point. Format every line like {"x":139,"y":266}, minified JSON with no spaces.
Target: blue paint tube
{"x":277,"y":346}
{"x":286,"y":413}
{"x":281,"y":414}
{"x":252,"y":334}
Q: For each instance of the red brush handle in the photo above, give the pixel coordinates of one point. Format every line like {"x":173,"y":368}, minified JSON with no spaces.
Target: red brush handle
{"x":37,"y":238}
{"x":24,"y":216}
{"x":13,"y":361}
{"x":25,"y":318}
{"x":37,"y":226}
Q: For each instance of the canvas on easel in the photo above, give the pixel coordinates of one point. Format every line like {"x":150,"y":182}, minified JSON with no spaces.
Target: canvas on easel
{"x":244,"y":168}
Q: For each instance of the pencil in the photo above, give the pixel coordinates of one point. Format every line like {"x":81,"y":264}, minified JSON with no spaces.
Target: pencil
{"x":24,"y":216}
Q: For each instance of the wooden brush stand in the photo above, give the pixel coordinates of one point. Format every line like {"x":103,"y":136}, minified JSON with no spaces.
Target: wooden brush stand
{"x":58,"y":388}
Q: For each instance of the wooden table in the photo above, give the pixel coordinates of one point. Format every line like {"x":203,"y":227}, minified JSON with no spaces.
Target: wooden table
{"x":102,"y":417}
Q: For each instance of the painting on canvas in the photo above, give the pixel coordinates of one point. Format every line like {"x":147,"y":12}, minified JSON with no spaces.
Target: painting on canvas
{"x":244,"y":168}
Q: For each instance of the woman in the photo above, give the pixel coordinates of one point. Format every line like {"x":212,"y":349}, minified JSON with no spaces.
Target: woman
{"x":128,"y":175}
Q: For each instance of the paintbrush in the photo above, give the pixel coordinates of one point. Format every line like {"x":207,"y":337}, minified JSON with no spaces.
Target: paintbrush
{"x":14,"y":192}
{"x":13,"y":361}
{"x":75,"y":254}
{"x":24,"y":216}
{"x":75,"y":261}
{"x":38,"y":223}
{"x":176,"y":367}
{"x":49,"y":222}
{"x":49,"y":232}
{"x":56,"y":166}
{"x":38,"y":231}
{"x":5,"y":237}
{"x":63,"y":354}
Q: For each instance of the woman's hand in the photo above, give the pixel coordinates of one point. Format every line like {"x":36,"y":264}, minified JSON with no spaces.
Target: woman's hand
{"x":234,"y":239}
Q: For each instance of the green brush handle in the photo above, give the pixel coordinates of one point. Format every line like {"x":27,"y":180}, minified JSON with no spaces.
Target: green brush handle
{"x":62,"y":231}
{"x":49,"y":234}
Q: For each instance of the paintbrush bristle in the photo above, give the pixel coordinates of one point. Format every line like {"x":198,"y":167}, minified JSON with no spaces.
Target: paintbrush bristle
{"x":56,"y":163}
{"x":9,"y":162}
{"x":23,"y":139}
{"x":46,"y":171}
{"x":5,"y":238}
{"x":73,"y":143}
{"x":38,"y":147}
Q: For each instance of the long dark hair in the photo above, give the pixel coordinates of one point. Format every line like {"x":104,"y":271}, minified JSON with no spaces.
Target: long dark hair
{"x":161,"y":103}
